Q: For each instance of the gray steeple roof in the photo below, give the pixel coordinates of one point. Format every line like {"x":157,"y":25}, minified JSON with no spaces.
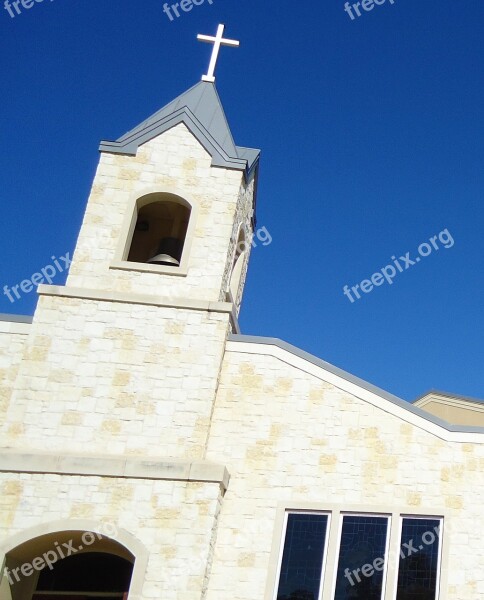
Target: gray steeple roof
{"x":200,"y":109}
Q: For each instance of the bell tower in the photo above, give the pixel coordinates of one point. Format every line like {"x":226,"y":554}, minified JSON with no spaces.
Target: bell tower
{"x":125,"y":358}
{"x":169,"y":202}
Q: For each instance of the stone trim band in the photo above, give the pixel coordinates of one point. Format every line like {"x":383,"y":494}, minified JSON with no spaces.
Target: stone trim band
{"x":129,"y":468}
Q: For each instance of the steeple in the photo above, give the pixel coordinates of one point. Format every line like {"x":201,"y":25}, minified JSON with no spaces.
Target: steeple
{"x":172,"y":208}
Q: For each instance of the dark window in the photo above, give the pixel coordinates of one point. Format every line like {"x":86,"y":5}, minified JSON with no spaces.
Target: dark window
{"x":302,"y":559}
{"x":419,"y":559}
{"x":361,"y":558}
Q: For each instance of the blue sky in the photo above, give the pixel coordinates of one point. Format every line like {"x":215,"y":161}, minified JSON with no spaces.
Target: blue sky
{"x":371,"y":134}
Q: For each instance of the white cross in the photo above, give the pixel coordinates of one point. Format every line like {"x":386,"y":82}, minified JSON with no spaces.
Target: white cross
{"x":217,"y":41}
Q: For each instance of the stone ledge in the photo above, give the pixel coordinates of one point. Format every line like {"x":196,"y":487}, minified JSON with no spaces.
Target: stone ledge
{"x":132,"y":298}
{"x":124,"y":265}
{"x":101,"y":466}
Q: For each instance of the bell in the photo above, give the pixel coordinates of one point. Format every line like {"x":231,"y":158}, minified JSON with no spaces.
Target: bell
{"x":164,"y":259}
{"x":169,"y":253}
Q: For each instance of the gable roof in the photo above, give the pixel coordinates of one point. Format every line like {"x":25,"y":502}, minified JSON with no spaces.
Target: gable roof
{"x":355,"y":385}
{"x":201,"y":110}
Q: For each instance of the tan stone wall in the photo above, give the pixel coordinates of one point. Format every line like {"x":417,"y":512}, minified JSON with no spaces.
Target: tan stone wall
{"x":288,"y":435}
{"x":458,"y":413}
{"x":13,"y":337}
{"x":174,"y":160}
{"x":173,"y":520}
{"x":114,"y":378}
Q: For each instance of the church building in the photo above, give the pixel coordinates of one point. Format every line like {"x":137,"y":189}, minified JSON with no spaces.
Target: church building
{"x":149,"y":450}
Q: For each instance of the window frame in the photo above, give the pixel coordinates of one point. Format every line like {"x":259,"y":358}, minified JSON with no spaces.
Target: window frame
{"x":282,"y":546}
{"x":342,"y":515}
{"x":439,"y":556}
{"x":335,"y":513}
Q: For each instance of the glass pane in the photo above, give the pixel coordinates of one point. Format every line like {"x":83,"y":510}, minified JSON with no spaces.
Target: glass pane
{"x":302,"y":559}
{"x":419,"y":557}
{"x":361,"y":558}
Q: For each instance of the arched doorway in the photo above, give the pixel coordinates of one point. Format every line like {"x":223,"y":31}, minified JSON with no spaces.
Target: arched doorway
{"x":68,"y":565}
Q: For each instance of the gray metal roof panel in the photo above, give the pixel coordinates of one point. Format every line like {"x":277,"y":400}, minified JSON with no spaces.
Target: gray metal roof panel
{"x":16,"y":318}
{"x":249,"y":154}
{"x":201,"y":110}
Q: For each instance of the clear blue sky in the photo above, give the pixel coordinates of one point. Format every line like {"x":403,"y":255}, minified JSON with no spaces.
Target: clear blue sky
{"x":371,"y":133}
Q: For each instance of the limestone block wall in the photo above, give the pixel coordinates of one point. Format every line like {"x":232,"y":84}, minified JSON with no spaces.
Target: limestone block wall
{"x":103,"y":377}
{"x":172,"y":162}
{"x":13,"y":337}
{"x":290,"y":434}
{"x":172,"y":521}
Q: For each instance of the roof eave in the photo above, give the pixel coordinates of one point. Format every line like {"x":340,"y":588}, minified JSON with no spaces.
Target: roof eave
{"x":129,"y":143}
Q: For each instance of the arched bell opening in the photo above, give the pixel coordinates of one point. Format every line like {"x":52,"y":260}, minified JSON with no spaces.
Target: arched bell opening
{"x":240,"y":254}
{"x":69,"y":565}
{"x":160,"y":231}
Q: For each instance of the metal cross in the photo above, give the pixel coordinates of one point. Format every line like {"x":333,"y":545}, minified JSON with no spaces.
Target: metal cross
{"x":217,"y":41}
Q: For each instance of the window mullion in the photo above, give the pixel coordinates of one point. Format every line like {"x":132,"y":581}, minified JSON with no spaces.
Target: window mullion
{"x":392,"y":558}
{"x":329,"y":572}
